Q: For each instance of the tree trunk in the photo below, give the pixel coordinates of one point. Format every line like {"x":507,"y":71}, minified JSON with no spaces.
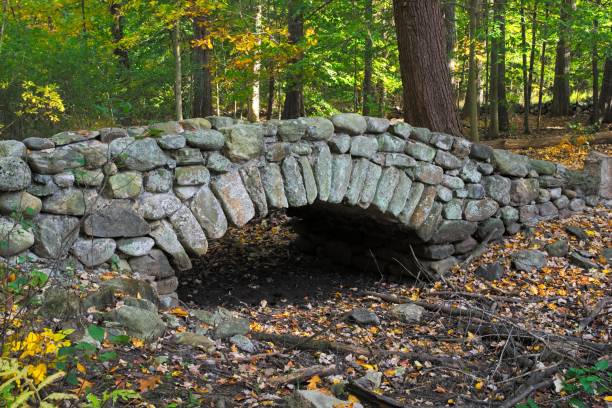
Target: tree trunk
{"x":117,"y":32}
{"x":595,"y":68}
{"x":202,"y":95}
{"x":368,"y":55}
{"x":271,"y":90}
{"x":605,"y":97}
{"x":542,"y":66}
{"x":534,"y":29}
{"x":178,"y":86}
{"x":427,"y":91}
{"x":561,"y":88}
{"x":253,"y":107}
{"x":294,"y":94}
{"x":472,"y":94}
{"x":502,"y":105}
{"x":83,"y":17}
{"x":450,"y":21}
{"x":494,"y":83}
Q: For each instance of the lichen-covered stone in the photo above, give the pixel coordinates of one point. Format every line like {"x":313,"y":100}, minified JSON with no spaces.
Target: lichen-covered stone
{"x":447,"y":160}
{"x":15,"y":174}
{"x":310,"y":183}
{"x":171,"y":142}
{"x":158,"y":181}
{"x":479,"y":210}
{"x":292,"y":130}
{"x":125,"y":185}
{"x":187,"y":156}
{"x":115,"y":219}
{"x":510,"y":164}
{"x":158,"y":206}
{"x":363,"y":146}
{"x":402,"y":129}
{"x":323,"y":170}
{"x":413,"y":200}
{"x":20,"y":204}
{"x":389,"y":143}
{"x":38,"y":143}
{"x":220,"y":122}
{"x":453,"y":210}
{"x":376,"y":125}
{"x":234,"y":198}
{"x":189,"y":231}
{"x":93,"y":252}
{"x":420,"y":151}
{"x":351,"y":123}
{"x":70,"y":201}
{"x":243,"y":142}
{"x":166,"y":239}
{"x":195,"y":124}
{"x":14,"y":238}
{"x":12,"y":148}
{"x":54,"y":235}
{"x":441,"y":140}
{"x":340,"y":177}
{"x":423,"y":207}
{"x":386,"y":186}
{"x":428,"y":173}
{"x":399,"y":160}
{"x":191,"y":175}
{"x":400,"y":195}
{"x":137,"y":246}
{"x":318,"y":128}
{"x":251,"y":178}
{"x":218,"y":163}
{"x":205,"y":139}
{"x":469,"y":172}
{"x":498,"y":188}
{"x":358,"y":177}
{"x":293,"y":182}
{"x":370,"y":185}
{"x":137,"y":154}
{"x":340,"y":143}
{"x":524,"y":191}
{"x":453,"y":231}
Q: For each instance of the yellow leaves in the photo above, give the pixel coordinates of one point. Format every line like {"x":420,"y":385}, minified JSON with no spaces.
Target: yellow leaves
{"x":138,"y":343}
{"x":81,"y":368}
{"x":313,"y":382}
{"x":179,"y":312}
{"x":148,"y":383}
{"x":479,"y":385}
{"x":590,"y":233}
{"x":43,"y":101}
{"x":608,"y":398}
{"x":37,"y":372}
{"x":533,"y":289}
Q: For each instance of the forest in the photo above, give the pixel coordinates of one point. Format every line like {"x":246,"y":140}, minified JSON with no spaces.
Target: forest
{"x":87,"y":63}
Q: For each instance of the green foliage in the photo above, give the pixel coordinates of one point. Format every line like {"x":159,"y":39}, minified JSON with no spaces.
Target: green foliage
{"x":93,"y":401}
{"x":587,"y":381}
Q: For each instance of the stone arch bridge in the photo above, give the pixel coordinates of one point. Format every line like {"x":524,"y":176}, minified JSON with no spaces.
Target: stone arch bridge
{"x":146,"y":199}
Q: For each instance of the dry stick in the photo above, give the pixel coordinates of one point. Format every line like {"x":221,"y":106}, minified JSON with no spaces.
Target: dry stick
{"x":596,"y":311}
{"x":525,"y":392}
{"x":376,"y":399}
{"x":304,"y":374}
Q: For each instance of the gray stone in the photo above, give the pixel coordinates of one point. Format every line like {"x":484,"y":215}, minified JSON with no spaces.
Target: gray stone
{"x":386,"y":186}
{"x":254,"y":186}
{"x":158,"y":181}
{"x":109,"y":134}
{"x":490,"y":272}
{"x":465,"y":246}
{"x":115,"y":220}
{"x":524,"y":191}
{"x":137,"y":246}
{"x":153,"y":264}
{"x":399,"y":160}
{"x":87,"y":178}
{"x":54,"y":235}
{"x":577,"y":204}
{"x":293,"y":182}
{"x":582,"y":261}
{"x":469,"y":172}
{"x":528,"y":259}
{"x":15,"y":174}
{"x":54,"y":161}
{"x":481,"y":152}
{"x":510,"y":164}
{"x":421,"y":134}
{"x":69,"y":201}
{"x":428,"y":173}
{"x":292,"y":130}
{"x":558,"y":248}
{"x":427,"y":229}
{"x":140,"y":323}
{"x":38,"y":143}
{"x":390,"y":143}
{"x":234,"y":198}
{"x":543,"y":167}
{"x":340,"y":177}
{"x":444,"y":194}
{"x":376,"y":125}
{"x":310,"y":183}
{"x":218,"y":163}
{"x":447,"y":161}
{"x":420,"y":151}
{"x":158,"y":206}
{"x":598,"y":171}
{"x":509,"y":214}
{"x":166,"y":239}
{"x":140,"y":155}
{"x":452,"y":182}
{"x":551,"y":181}
{"x":423,"y":207}
{"x":436,"y":251}
{"x":68,"y":137}
{"x":319,"y":129}
{"x":225,"y":323}
{"x":562,"y":202}
{"x":485,"y":168}
{"x":243,"y":343}
{"x":125,"y":185}
{"x":407,"y":312}
{"x":195,"y":124}
{"x":195,"y":340}
{"x":498,"y":188}
{"x":358,"y":177}
{"x":243,"y":142}
{"x":171,"y":142}
{"x":400,"y":195}
{"x":317,"y":399}
{"x":461,"y":193}
{"x":480,"y":210}
{"x":591,"y":200}
{"x":402,"y":129}
{"x":14,"y":238}
{"x":548,"y":210}
{"x":475,"y":191}
{"x":340,"y":143}
{"x":301,"y":148}
{"x":187,"y":156}
{"x":453,"y":210}
{"x":543,"y":195}
{"x":577,"y":232}
{"x":20,"y":204}
{"x":191,"y":175}
{"x":273,"y":185}
{"x":363,"y":146}
{"x":453,"y":231}
{"x":189,"y":231}
{"x":461,"y":147}
{"x":413,"y":201}
{"x":166,"y":128}
{"x":351,"y":123}
{"x":205,"y":139}
{"x":323,"y":170}
{"x":492,"y":228}
{"x":528,"y":213}
{"x":555,"y":192}
{"x":370,"y":185}
{"x":12,"y":148}
{"x":220,"y":122}
{"x":441,"y":140}
{"x":93,"y":252}
{"x":364,"y":316}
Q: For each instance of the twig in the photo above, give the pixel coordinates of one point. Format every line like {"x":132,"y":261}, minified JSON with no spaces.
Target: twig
{"x":525,"y":392}
{"x":376,"y":399}
{"x":304,"y":374}
{"x":596,"y":311}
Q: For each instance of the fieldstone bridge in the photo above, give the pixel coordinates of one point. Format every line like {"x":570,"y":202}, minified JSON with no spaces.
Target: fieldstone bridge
{"x":146,"y":199}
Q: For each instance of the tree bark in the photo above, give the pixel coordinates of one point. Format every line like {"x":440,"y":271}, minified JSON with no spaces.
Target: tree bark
{"x":542,"y":66}
{"x":271,"y":90}
{"x":534,"y":29}
{"x":3,"y":22}
{"x":595,"y":69}
{"x":427,"y":91}
{"x":494,"y":69}
{"x":561,"y":87}
{"x":368,"y":55}
{"x":294,"y":94}
{"x":605,"y":97}
{"x":203,"y":92}
{"x":472,"y":94}
{"x":450,"y":21}
{"x":502,"y":105}
{"x":253,"y":107}
{"x":178,"y":86}
{"x":83,"y":17}
{"x":117,"y":33}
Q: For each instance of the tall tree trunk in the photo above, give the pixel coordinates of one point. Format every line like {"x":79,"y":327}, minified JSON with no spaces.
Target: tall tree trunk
{"x":117,"y":32}
{"x":203,"y":92}
{"x":524,"y":68}
{"x":253,"y":107}
{"x":534,"y":29}
{"x":502,"y":105}
{"x":427,"y":91}
{"x":178,"y":86}
{"x":494,"y":90}
{"x":368,"y":54}
{"x":605,"y":97}
{"x":450,"y":21}
{"x":271,"y":90}
{"x":382,"y":94}
{"x":472,"y":94}
{"x":294,"y":94}
{"x":542,"y":66}
{"x":83,"y":17}
{"x":561,"y":87}
{"x":595,"y":69}
{"x":3,"y":22}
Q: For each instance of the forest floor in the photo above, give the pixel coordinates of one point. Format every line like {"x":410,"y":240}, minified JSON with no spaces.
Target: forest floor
{"x":542,"y":335}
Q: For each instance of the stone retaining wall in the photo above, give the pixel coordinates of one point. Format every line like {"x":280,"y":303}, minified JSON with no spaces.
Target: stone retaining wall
{"x":146,"y":199}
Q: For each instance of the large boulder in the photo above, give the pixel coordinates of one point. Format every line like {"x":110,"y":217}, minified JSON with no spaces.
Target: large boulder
{"x":480,"y":210}
{"x":115,"y":219}
{"x":12,"y":148}
{"x":140,"y":323}
{"x":15,"y":174}
{"x":54,"y":235}
{"x":319,"y":128}
{"x":524,"y":191}
{"x":14,"y":238}
{"x":510,"y":164}
{"x":244,"y":142}
{"x":351,"y":123}
{"x":137,"y":154}
{"x":93,"y":252}
{"x":154,"y":264}
{"x":528,"y":259}
{"x":20,"y":203}
{"x":207,"y":210}
{"x":498,"y":188}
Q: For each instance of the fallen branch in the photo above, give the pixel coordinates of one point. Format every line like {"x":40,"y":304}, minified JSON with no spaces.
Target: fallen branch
{"x":596,"y":311}
{"x":524,"y":392}
{"x":303,"y":374}
{"x":525,"y":143}
{"x":376,"y":399}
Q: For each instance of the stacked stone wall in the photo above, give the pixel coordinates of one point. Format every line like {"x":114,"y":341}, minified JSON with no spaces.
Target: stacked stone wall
{"x":148,"y":199}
